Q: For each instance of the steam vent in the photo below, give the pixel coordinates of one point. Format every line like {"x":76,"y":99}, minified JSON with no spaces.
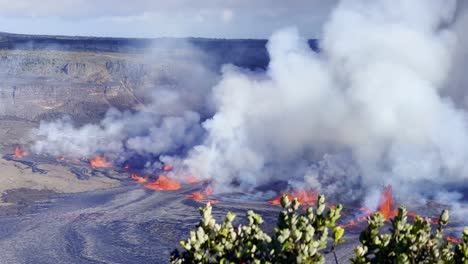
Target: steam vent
{"x":156,"y":131}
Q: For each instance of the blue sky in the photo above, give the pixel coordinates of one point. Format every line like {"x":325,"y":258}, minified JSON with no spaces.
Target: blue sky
{"x":156,"y":18}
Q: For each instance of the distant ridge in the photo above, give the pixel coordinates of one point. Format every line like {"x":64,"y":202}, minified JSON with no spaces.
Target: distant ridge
{"x":250,"y":53}
{"x":112,"y":44}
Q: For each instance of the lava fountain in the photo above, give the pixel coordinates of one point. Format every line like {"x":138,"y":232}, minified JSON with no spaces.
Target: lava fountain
{"x":387,"y":204}
{"x":20,"y":153}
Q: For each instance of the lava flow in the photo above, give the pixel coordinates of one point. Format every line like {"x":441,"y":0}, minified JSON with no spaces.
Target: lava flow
{"x":192,"y":179}
{"x":305,"y":198}
{"x":197,"y":196}
{"x":99,"y":162}
{"x":138,"y":179}
{"x":163,"y":183}
{"x":20,"y":153}
{"x":453,"y":240}
{"x":167,"y":167}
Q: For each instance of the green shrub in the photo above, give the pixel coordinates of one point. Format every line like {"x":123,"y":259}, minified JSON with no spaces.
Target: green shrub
{"x":408,"y":243}
{"x":298,"y":237}
{"x":302,"y":237}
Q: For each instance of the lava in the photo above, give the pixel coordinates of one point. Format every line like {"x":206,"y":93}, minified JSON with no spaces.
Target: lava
{"x":197,"y":196}
{"x":99,"y":162}
{"x":167,"y":167}
{"x":192,"y":179}
{"x":453,"y":240}
{"x":138,"y":179}
{"x":208,"y":191}
{"x":163,"y":183}
{"x":386,"y":204}
{"x":20,"y":153}
{"x":386,"y":207}
{"x":305,"y":198}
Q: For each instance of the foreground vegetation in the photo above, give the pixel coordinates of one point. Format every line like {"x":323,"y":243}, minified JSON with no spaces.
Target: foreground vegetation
{"x":306,"y":236}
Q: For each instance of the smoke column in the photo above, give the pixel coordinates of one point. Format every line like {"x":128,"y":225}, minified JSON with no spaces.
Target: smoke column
{"x":376,"y":106}
{"x":365,"y":112}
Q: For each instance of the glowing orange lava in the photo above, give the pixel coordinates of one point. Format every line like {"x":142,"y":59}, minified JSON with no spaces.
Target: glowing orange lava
{"x":167,"y":167}
{"x":138,"y":179}
{"x":99,"y":162}
{"x":305,"y":198}
{"x":197,"y":196}
{"x":453,"y":240}
{"x":163,"y":183}
{"x":386,"y":207}
{"x":20,"y":153}
{"x":412,"y":214}
{"x":192,"y":179}
{"x":386,"y":204}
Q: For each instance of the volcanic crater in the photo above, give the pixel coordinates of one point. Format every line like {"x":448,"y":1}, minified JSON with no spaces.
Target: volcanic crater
{"x":70,"y":210}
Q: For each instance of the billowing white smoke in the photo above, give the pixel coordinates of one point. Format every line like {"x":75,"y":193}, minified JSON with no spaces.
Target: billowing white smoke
{"x":167,"y":120}
{"x":368,"y":110}
{"x":368,"y":107}
{"x":142,"y":133}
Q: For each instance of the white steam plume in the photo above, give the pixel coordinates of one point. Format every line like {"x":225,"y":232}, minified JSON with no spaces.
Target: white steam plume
{"x":369,"y":106}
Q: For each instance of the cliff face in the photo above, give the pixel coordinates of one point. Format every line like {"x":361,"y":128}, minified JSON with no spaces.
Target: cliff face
{"x":36,"y":85}
{"x":43,"y":78}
